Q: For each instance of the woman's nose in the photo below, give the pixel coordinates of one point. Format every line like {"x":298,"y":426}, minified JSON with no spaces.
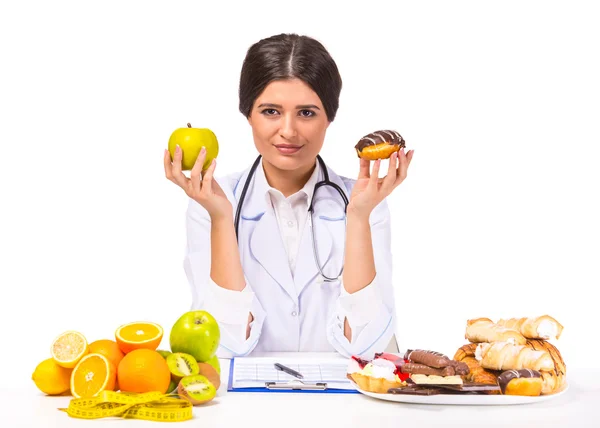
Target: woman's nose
{"x":288,"y":127}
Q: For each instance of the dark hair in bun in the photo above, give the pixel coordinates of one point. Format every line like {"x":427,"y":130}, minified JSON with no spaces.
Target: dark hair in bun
{"x":288,"y":56}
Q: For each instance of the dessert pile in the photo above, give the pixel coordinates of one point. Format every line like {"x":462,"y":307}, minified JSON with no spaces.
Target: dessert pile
{"x":510,"y":357}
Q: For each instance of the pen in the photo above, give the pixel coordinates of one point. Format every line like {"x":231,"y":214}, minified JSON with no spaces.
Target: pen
{"x":289,"y":371}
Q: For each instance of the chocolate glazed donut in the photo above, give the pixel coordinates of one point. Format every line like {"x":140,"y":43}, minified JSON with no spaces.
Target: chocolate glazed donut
{"x":520,"y":382}
{"x":379,"y":145}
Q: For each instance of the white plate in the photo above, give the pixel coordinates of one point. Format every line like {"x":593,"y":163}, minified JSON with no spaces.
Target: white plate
{"x":464,"y":400}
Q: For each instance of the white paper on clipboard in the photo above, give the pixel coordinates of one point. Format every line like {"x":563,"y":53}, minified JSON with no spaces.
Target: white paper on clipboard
{"x":255,"y":372}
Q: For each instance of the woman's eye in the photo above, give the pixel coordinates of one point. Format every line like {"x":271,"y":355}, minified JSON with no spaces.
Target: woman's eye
{"x":269,"y":111}
{"x":307,"y":113}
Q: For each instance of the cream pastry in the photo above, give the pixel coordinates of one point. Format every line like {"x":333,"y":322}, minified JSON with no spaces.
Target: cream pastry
{"x":378,"y":375}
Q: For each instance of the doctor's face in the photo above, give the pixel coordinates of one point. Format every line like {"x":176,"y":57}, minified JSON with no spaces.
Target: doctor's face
{"x":288,"y":124}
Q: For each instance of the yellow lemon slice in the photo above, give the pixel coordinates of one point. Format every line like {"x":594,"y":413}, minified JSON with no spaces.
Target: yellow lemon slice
{"x":69,"y":348}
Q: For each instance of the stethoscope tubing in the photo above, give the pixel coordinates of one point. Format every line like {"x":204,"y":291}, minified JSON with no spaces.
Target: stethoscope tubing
{"x":324,"y":182}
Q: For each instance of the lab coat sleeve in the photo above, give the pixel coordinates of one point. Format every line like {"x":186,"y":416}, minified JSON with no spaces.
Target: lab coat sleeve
{"x":230,"y":308}
{"x":371,"y":310}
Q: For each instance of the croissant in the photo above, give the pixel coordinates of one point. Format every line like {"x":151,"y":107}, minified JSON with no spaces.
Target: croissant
{"x":478,"y":374}
{"x":507,"y":356}
{"x":465,"y":351}
{"x":542,"y":327}
{"x":485,"y":330}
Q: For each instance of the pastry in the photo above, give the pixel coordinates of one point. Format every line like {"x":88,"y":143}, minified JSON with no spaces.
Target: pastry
{"x":554,"y":380}
{"x":521,"y":382}
{"x":478,"y":374}
{"x":507,"y":356}
{"x":379,"y":145}
{"x":465,"y":351}
{"x":485,"y":330}
{"x":542,"y":327}
{"x":378,"y":375}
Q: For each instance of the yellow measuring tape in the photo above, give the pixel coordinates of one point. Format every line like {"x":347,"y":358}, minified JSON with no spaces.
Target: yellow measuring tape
{"x":150,"y":406}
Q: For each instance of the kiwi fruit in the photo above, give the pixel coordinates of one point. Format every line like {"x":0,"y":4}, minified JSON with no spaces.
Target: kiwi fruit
{"x":197,"y":389}
{"x":182,"y":365}
{"x":210,"y":373}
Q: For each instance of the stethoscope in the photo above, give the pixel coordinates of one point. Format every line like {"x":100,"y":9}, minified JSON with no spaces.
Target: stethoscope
{"x":319,"y":184}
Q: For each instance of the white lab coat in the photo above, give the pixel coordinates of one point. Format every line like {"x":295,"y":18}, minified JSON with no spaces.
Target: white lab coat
{"x":298,"y":313}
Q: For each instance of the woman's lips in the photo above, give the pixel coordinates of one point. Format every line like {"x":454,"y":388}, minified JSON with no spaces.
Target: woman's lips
{"x":287,"y":149}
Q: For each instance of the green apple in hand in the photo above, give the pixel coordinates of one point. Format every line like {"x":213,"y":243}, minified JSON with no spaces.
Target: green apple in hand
{"x":191,"y":140}
{"x":196,"y":333}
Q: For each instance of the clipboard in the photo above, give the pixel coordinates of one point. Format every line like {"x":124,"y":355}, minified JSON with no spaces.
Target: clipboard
{"x":259,"y":375}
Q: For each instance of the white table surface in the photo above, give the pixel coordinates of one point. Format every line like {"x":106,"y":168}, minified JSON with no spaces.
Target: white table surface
{"x":578,"y":407}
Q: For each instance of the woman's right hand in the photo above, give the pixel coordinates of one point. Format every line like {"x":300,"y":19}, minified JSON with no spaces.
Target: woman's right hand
{"x":201,"y":186}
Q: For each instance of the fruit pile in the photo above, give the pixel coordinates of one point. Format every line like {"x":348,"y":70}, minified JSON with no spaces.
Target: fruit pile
{"x":132,"y":363}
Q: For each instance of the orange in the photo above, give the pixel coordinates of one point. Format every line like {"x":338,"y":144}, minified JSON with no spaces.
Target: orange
{"x":92,"y":375}
{"x":69,"y":348}
{"x":110,"y":349}
{"x":143,"y":370}
{"x":139,"y":335}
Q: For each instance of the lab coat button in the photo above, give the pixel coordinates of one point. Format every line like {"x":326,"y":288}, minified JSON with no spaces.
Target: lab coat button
{"x":290,"y":223}
{"x":294,"y":313}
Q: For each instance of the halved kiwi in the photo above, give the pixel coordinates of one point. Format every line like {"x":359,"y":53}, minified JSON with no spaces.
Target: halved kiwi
{"x":182,"y":365}
{"x":197,"y":389}
{"x":210,"y":373}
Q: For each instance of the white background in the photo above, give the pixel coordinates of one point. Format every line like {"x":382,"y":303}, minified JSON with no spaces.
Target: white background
{"x":498,"y":217}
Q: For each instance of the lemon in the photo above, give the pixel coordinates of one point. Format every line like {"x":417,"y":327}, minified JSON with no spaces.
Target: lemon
{"x":52,"y":379}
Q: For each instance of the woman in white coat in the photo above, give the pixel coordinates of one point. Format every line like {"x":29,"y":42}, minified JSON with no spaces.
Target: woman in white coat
{"x":262,"y":284}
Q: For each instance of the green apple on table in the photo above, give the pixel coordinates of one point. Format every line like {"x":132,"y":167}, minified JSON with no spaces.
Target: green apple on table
{"x":214,"y":361}
{"x":196,"y":333}
{"x":191,"y":140}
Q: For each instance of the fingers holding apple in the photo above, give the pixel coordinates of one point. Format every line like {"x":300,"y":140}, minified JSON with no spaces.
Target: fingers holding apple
{"x":197,"y":173}
{"x":191,"y":141}
{"x":196,"y":149}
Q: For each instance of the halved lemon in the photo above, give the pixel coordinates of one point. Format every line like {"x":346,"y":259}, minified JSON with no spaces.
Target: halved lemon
{"x":92,"y":375}
{"x":139,"y":335}
{"x":69,"y":348}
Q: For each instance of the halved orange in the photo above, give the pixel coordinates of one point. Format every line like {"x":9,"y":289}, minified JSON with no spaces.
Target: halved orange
{"x":92,"y":375}
{"x":69,"y":348}
{"x":139,"y":335}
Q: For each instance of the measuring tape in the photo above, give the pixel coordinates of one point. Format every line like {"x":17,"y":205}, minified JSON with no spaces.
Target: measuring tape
{"x":150,"y":406}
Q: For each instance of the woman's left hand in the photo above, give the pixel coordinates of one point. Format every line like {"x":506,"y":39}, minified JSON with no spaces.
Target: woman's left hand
{"x":369,"y":190}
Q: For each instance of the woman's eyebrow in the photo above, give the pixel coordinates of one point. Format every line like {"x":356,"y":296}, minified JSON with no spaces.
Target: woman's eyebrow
{"x":302,"y":106}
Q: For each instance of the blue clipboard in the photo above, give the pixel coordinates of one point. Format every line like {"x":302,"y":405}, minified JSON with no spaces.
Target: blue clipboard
{"x":295,"y":385}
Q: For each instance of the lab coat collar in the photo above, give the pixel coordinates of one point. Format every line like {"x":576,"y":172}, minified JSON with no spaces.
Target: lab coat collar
{"x":266,"y":244}
{"x":307,"y":190}
{"x":254,"y":207}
